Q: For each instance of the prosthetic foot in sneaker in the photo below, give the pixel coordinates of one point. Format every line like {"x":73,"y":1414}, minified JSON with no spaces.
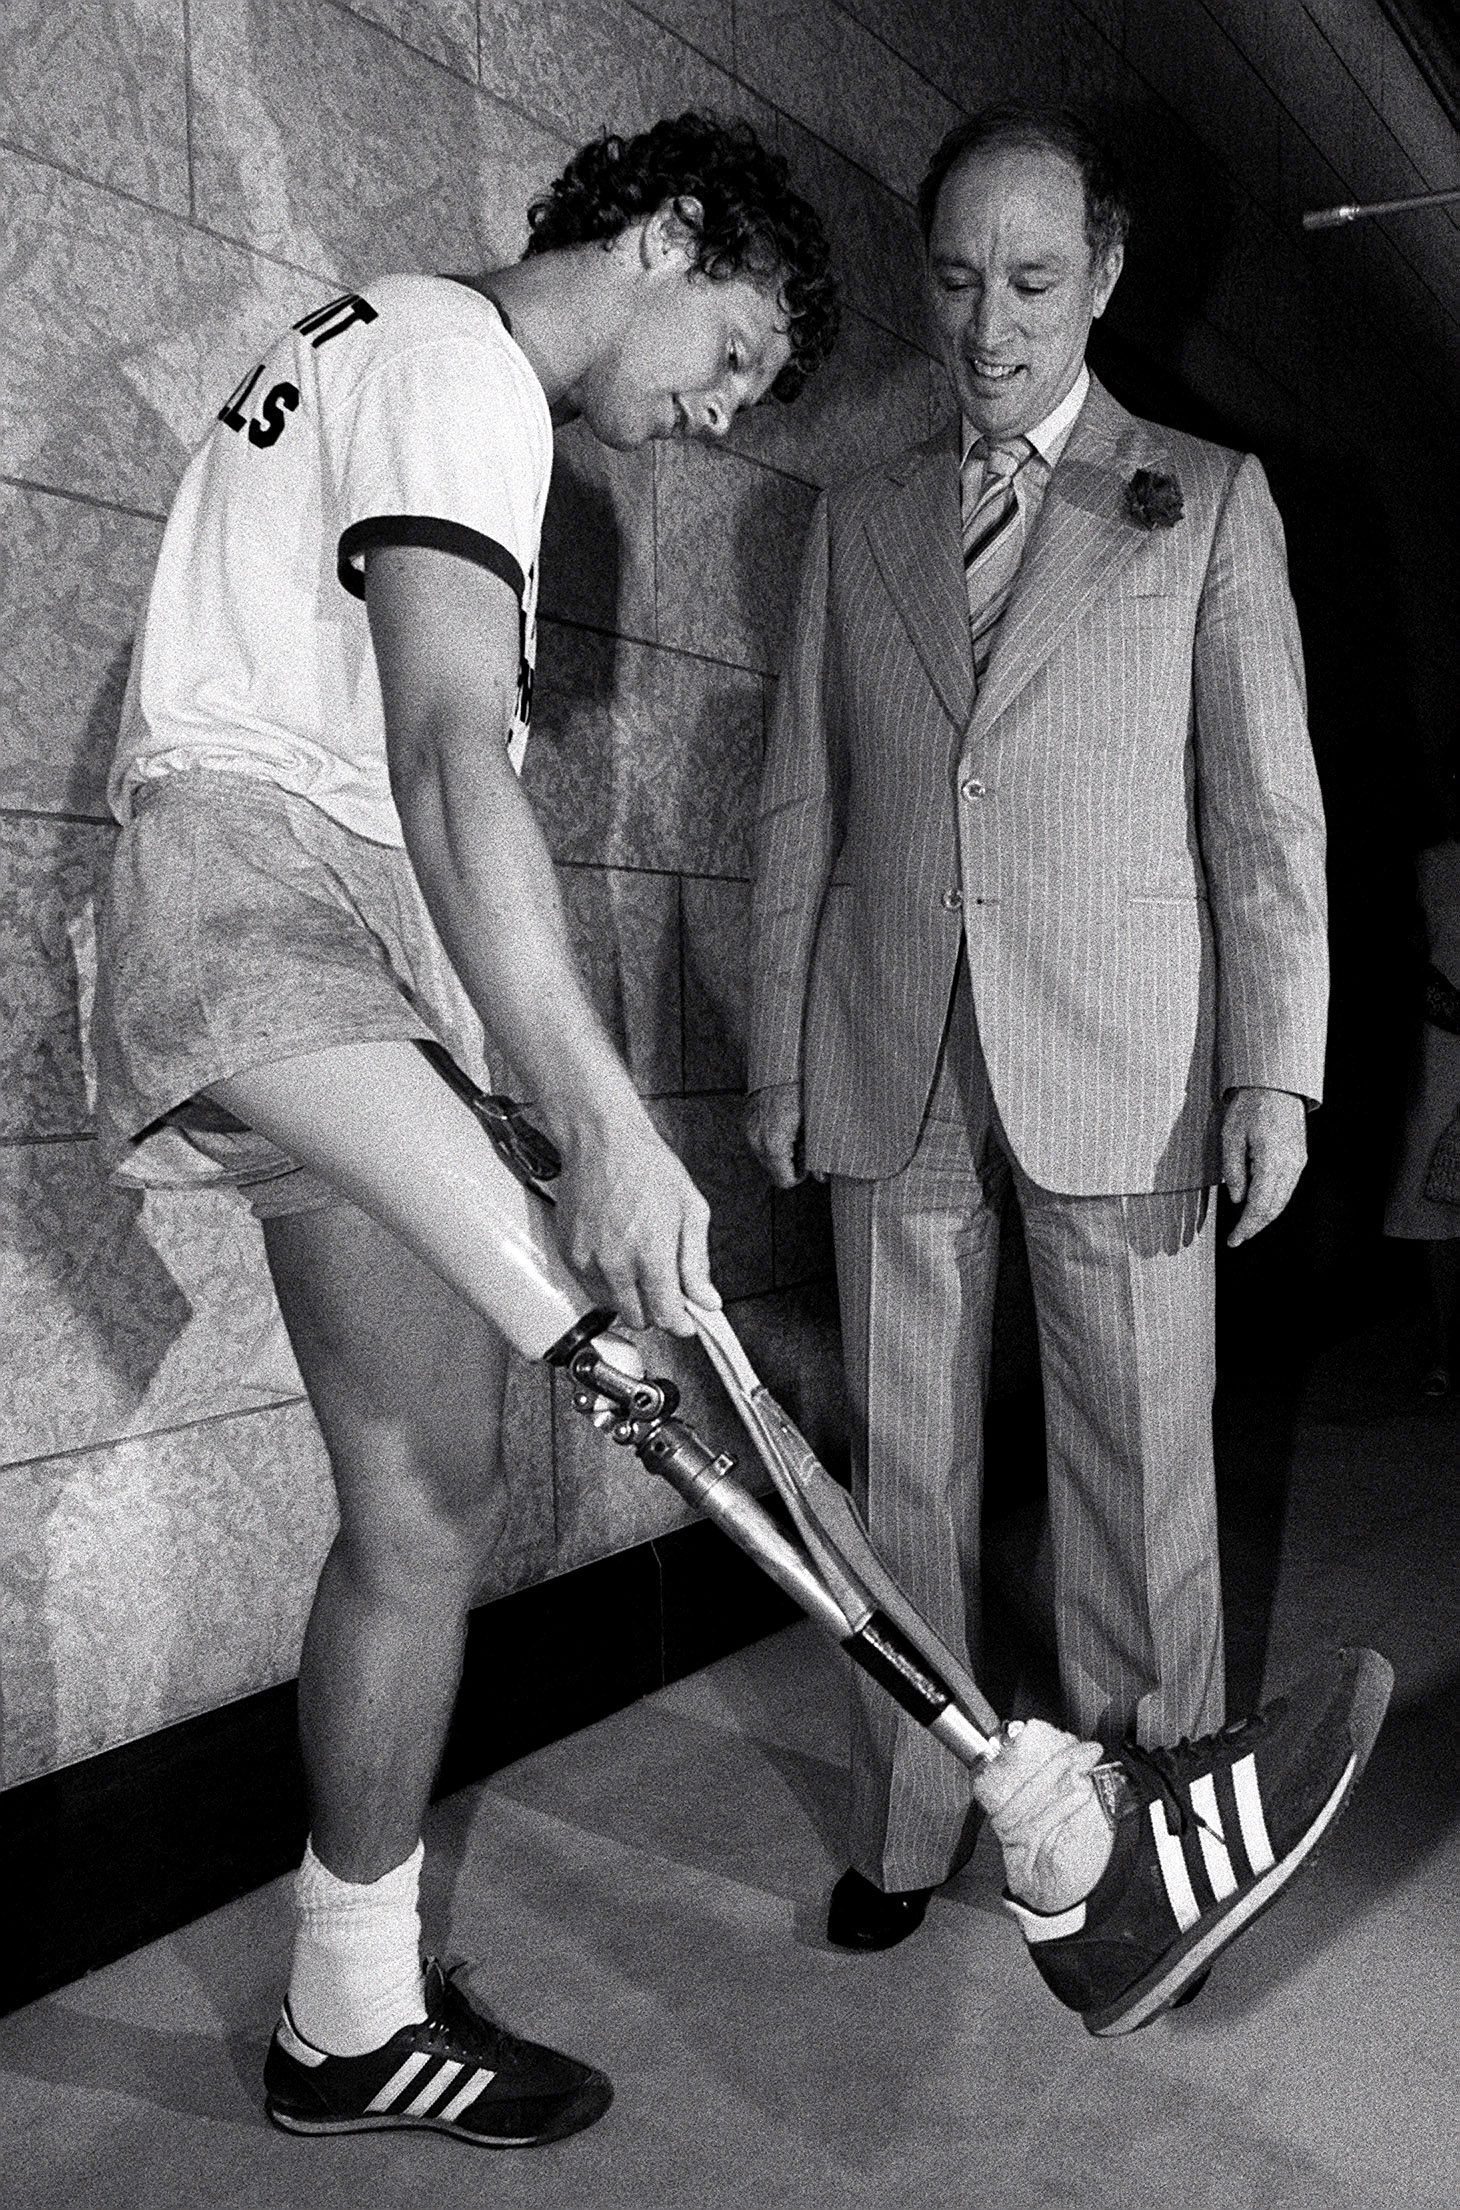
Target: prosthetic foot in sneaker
{"x":1206,"y":1835}
{"x":455,"y":2072}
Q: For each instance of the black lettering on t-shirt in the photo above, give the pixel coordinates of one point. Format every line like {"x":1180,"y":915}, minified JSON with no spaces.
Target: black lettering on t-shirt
{"x":524,"y":673}
{"x":280,"y":401}
{"x":231,"y":411}
{"x":333,"y":320}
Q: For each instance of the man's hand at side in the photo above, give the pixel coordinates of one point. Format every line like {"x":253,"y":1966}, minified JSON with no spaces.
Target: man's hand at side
{"x":773,"y":1131}
{"x":1264,"y":1150}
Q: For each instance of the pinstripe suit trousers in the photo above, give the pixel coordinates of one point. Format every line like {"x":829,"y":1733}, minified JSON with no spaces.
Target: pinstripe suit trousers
{"x":1123,"y":1293}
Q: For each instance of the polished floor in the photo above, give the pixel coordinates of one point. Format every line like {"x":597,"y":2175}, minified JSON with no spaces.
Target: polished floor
{"x":649,"y":1893}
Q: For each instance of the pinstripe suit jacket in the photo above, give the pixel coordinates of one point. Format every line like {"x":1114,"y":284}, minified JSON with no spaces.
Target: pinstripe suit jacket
{"x":1124,"y":825}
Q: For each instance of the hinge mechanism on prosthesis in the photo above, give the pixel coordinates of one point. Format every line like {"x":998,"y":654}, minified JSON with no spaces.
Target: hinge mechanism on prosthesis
{"x":639,"y":1414}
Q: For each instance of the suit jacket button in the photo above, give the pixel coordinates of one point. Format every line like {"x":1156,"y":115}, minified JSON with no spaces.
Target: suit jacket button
{"x":953,"y":900}
{"x":973,"y":788}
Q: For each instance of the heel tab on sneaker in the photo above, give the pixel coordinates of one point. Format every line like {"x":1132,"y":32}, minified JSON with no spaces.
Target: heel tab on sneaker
{"x":1038,"y":1926}
{"x":293,"y":2043}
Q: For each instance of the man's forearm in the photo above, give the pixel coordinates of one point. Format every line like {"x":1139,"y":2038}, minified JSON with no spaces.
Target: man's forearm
{"x":492,"y":891}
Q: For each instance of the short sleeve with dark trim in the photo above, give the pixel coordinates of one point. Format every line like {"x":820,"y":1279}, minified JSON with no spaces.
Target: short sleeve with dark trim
{"x":445,"y":442}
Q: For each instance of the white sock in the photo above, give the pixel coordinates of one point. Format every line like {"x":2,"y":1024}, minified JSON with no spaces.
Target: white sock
{"x":356,"y":1977}
{"x":1043,"y":1805}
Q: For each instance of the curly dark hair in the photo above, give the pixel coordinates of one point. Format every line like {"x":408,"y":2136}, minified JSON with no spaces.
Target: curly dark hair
{"x":753,"y":225}
{"x":1062,"y":131}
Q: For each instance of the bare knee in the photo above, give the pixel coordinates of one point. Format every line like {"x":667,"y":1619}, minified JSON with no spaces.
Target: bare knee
{"x":417,"y":1538}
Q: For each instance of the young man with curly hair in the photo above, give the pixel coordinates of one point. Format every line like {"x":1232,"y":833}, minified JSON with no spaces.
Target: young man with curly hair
{"x":326,"y":858}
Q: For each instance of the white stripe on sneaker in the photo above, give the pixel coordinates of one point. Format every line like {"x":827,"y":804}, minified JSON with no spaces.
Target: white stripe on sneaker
{"x":1179,"y":1891}
{"x":1163,"y":1985}
{"x":1260,"y":1852}
{"x":466,"y":2096}
{"x":399,"y":2081}
{"x":1210,"y":1833}
{"x":434,"y":2088}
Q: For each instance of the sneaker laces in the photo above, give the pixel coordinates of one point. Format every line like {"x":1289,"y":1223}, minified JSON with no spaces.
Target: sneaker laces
{"x":451,"y":2016}
{"x":1164,"y":1765}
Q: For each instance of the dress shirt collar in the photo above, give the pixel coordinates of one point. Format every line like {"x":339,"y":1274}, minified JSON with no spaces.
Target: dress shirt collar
{"x":1050,"y":436}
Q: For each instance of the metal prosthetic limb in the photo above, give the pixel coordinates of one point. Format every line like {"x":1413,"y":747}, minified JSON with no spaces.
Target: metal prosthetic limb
{"x":900,"y":1653}
{"x":827,"y":1565}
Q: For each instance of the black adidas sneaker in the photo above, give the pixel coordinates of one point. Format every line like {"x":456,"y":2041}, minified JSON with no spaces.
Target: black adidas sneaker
{"x":456,"y":2072}
{"x":1206,"y":1835}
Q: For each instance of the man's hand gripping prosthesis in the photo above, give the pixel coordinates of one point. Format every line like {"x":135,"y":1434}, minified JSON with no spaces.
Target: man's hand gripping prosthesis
{"x":1128,"y":1869}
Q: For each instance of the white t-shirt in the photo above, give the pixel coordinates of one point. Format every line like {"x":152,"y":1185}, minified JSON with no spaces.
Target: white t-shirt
{"x":406,"y":415}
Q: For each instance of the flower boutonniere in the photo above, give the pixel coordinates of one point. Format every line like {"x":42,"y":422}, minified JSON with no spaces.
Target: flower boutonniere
{"x":1154,"y":500}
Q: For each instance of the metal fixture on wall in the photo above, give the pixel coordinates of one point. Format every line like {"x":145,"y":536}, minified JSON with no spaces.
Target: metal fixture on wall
{"x":1327,"y":218}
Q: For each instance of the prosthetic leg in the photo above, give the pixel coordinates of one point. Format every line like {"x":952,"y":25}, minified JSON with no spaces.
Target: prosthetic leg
{"x":835,"y":1576}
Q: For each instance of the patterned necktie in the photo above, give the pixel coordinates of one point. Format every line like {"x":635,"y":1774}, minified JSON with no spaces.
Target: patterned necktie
{"x":993,"y":540}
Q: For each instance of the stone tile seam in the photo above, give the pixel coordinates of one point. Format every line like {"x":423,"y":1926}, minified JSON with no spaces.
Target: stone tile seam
{"x":680,"y":933}
{"x":816,"y":1279}
{"x":146,"y":1434}
{"x":1210,"y":10}
{"x":422,"y":53}
{"x":840,"y":153}
{"x":665,"y":31}
{"x":590,"y":866}
{"x":166,"y":214}
{"x":914,"y":69}
{"x":332,"y":276}
{"x":634,"y":867}
{"x":1363,"y":90}
{"x":653,"y":526}
{"x":187,"y":23}
{"x":30,"y":1143}
{"x":735,"y":78}
{"x":650,"y":644}
{"x":770,"y":467}
{"x":44,"y":813}
{"x":80,"y":498}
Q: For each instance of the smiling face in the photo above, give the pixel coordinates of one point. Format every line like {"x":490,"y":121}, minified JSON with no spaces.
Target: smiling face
{"x":1013,"y":285}
{"x":691,"y":353}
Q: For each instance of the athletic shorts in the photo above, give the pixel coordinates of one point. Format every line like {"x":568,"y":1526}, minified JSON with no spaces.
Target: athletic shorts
{"x":241,"y":925}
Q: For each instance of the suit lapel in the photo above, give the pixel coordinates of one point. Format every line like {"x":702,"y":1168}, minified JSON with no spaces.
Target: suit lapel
{"x":916,"y":542}
{"x":1081,"y":541}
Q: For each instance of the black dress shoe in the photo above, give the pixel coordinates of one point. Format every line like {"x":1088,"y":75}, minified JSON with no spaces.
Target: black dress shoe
{"x":862,"y":1916}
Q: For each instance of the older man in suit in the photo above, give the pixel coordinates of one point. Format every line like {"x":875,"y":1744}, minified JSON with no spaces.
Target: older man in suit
{"x":1038,"y":915}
